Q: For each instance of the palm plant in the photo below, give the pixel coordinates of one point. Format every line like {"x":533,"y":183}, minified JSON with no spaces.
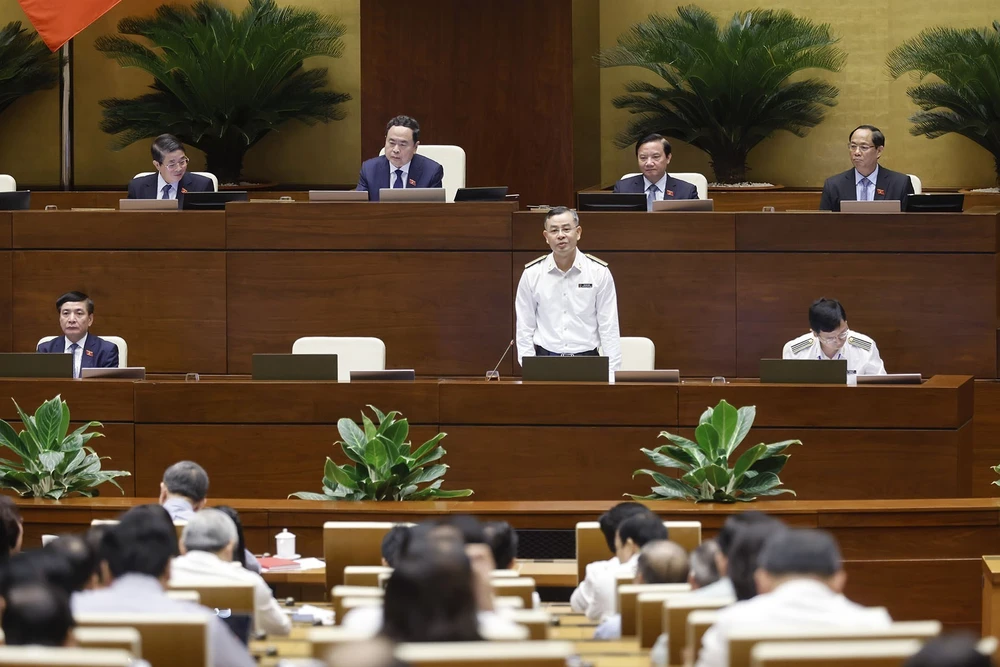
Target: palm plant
{"x":728,"y":86}
{"x":963,"y":97}
{"x":26,"y":64}
{"x":222,"y":82}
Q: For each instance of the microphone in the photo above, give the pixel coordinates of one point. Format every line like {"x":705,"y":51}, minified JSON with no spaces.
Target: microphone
{"x":493,"y":373}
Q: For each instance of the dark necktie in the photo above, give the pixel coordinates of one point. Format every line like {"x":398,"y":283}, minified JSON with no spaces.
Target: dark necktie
{"x":399,"y":179}
{"x":651,"y":197}
{"x":166,"y":191}
{"x":72,"y":350}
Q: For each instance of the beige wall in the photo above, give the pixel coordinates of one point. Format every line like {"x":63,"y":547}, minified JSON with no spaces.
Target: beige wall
{"x":868,"y":31}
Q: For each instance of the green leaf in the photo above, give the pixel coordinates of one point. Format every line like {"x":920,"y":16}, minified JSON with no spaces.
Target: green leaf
{"x":746,"y":416}
{"x":338,"y":474}
{"x":675,"y":489}
{"x":708,"y":440}
{"x":50,"y":460}
{"x":706,"y":417}
{"x":377,"y":458}
{"x":398,"y":432}
{"x":778,"y":447}
{"x":686,"y":445}
{"x":427,"y":474}
{"x":773,"y":464}
{"x":747,"y":459}
{"x":350,"y":453}
{"x":306,"y":495}
{"x":391,"y":451}
{"x":351,"y":435}
{"x":48,"y":419}
{"x":425,"y":448}
{"x":378,"y":414}
{"x":717,"y":476}
{"x":444,"y":494}
{"x":758,"y":485}
{"x":64,"y":424}
{"x":369,"y":427}
{"x":9,"y":439}
{"x":665,"y":461}
{"x":725,"y":419}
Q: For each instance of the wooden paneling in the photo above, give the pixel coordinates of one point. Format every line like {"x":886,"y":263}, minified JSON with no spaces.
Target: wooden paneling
{"x":439,"y":313}
{"x":986,"y":426}
{"x":699,"y":232}
{"x":955,"y":293}
{"x":5,"y":225}
{"x":118,"y":443}
{"x":97,"y":400}
{"x":6,"y":300}
{"x":114,"y":230}
{"x":507,"y":98}
{"x":368,"y":226}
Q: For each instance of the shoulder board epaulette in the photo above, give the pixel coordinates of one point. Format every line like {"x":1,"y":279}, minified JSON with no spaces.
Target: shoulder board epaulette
{"x":802,"y":346}
{"x":535,"y":261}
{"x":860,"y":342}
{"x":597,"y":259}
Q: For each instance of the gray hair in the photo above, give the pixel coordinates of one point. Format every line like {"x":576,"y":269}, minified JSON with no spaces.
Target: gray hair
{"x":188,"y":479}
{"x":559,"y":210}
{"x":209,"y":530}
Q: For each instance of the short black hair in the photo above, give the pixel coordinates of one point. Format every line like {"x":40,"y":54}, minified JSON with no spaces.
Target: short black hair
{"x":502,"y":539}
{"x":164,"y":144}
{"x":37,"y":565}
{"x":745,"y":555}
{"x":802,"y":551}
{"x":470,"y":527}
{"x":36,"y":613}
{"x":143,"y":542}
{"x":878,"y":139}
{"x":826,"y":315}
{"x":653,"y":137}
{"x":559,"y":210}
{"x":188,"y":479}
{"x":392,"y":542}
{"x":407,"y":122}
{"x":642,"y":529}
{"x":704,"y":569}
{"x":80,"y":556}
{"x":953,"y":650}
{"x":737,"y":522}
{"x":610,"y":520}
{"x":425,"y":534}
{"x":73,"y":297}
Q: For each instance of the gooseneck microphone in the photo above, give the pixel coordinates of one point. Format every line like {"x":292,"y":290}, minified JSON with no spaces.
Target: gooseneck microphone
{"x":493,"y":373}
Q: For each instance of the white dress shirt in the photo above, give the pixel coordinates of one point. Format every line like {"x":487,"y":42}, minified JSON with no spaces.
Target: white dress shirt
{"x":595,"y":596}
{"x":799,"y":603}
{"x":195,"y":566}
{"x":873,"y":177}
{"x":405,"y":176}
{"x":568,"y":312}
{"x":860,"y":351}
{"x":77,"y":353}
{"x":159,"y":187}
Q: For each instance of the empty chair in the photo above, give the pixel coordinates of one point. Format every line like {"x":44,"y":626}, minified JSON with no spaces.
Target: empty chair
{"x":210,"y":176}
{"x":117,"y":340}
{"x":48,"y":656}
{"x":885,"y":653}
{"x":486,"y":654}
{"x":694,"y":178}
{"x":522,"y":587}
{"x":167,"y":639}
{"x":452,"y":158}
{"x":7,"y":183}
{"x":124,"y":639}
{"x":353,"y":353}
{"x":638,"y":354}
{"x":351,"y":543}
{"x":915,"y":181}
{"x":321,"y":640}
{"x":628,"y":595}
{"x":591,"y":545}
{"x":698,"y":623}
{"x":675,"y":615}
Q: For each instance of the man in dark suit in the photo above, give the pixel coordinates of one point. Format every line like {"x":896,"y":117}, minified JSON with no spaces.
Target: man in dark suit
{"x":76,"y":314}
{"x":401,"y":166}
{"x":653,"y":153}
{"x":172,"y":178}
{"x":867,"y":181}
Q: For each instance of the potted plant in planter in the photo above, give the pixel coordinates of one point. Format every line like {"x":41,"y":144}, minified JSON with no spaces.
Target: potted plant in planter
{"x":705,"y":463}
{"x":727,"y":87}
{"x":222,"y":82}
{"x":53,"y":462}
{"x":26,"y":64}
{"x":385,"y":467}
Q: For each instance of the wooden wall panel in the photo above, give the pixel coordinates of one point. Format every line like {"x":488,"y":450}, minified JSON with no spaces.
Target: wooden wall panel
{"x":439,"y":313}
{"x":97,"y":400}
{"x":6,"y":301}
{"x":114,"y":230}
{"x":168,"y":306}
{"x":986,"y":427}
{"x":495,"y":78}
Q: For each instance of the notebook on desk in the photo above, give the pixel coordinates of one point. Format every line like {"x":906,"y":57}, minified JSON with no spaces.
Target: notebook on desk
{"x":35,"y":365}
{"x":803,"y":371}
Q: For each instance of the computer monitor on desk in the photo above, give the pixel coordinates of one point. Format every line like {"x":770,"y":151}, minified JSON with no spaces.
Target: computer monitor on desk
{"x":611,"y":201}
{"x":211,"y":201}
{"x":35,"y":365}
{"x":19,"y":200}
{"x":936,"y":203}
{"x":565,"y":369}
{"x":803,"y":371}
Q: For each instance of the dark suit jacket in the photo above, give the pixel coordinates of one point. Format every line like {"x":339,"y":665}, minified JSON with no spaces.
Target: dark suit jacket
{"x":680,"y":189}
{"x":97,"y":352}
{"x":842,"y":187}
{"x":424,"y":173}
{"x":144,"y":187}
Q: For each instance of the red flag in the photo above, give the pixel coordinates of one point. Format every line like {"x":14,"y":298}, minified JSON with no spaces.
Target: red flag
{"x":58,"y":21}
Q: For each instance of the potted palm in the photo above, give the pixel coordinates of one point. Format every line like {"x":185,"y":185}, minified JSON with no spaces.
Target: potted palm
{"x":26,"y":64}
{"x":222,"y":82}
{"x":727,"y":87}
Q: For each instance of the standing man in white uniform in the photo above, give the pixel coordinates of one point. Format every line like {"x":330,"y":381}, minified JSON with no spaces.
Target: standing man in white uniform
{"x":831,"y":338}
{"x":566,"y":303}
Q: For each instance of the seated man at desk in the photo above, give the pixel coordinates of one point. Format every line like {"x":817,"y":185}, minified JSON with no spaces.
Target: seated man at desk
{"x":831,"y":338}
{"x":653,"y":154}
{"x":76,"y":314}
{"x":867,"y":181}
{"x":171,"y":179}
{"x":401,"y":166}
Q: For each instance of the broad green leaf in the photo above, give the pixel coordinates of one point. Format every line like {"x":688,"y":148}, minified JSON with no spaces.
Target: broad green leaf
{"x":64,"y":424}
{"x":686,"y":445}
{"x":339,"y":475}
{"x":778,"y":447}
{"x":708,"y":440}
{"x":759,"y":484}
{"x":444,"y":494}
{"x":717,"y":476}
{"x":29,"y":436}
{"x":391,"y":450}
{"x":773,"y":464}
{"x":747,"y":415}
{"x":695,"y":478}
{"x":400,"y":469}
{"x":659,"y":477}
{"x":747,"y":459}
{"x":725,"y":419}
{"x":398,"y":432}
{"x":407,"y":492}
{"x":378,"y":414}
{"x":430,"y":456}
{"x":427,"y":474}
{"x":351,"y":434}
{"x":351,"y":453}
{"x":72,"y":442}
{"x":427,"y":446}
{"x":665,"y":461}
{"x":705,"y":417}
{"x":306,"y":495}
{"x":48,"y":419}
{"x":369,"y":427}
{"x":51,"y":460}
{"x":377,"y":457}
{"x":774,"y":492}
{"x":10,"y":440}
{"x":675,"y":489}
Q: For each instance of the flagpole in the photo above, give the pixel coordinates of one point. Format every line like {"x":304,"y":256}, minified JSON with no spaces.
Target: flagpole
{"x":66,"y":117}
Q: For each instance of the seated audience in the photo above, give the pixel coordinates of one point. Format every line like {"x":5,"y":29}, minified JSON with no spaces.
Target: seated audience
{"x":172,"y":180}
{"x":37,"y":614}
{"x":391,"y":544}
{"x":866,"y":181}
{"x":401,"y":166}
{"x":241,"y":554}
{"x":138,"y":551}
{"x":37,"y":566}
{"x":830,"y":338}
{"x":633,"y":534}
{"x":11,"y":529}
{"x":653,"y":154}
{"x":81,"y":557}
{"x":76,"y":315}
{"x":723,"y":587}
{"x":207,"y":545}
{"x":801,"y":579}
{"x":704,"y":570}
{"x":503,"y":541}
{"x":954,"y":650}
{"x":744,"y":556}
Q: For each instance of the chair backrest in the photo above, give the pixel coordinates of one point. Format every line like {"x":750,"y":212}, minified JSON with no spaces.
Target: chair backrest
{"x":353,"y":353}
{"x":917,"y":186}
{"x":349,"y":603}
{"x":48,"y":656}
{"x":878,"y":653}
{"x":591,"y":546}
{"x":124,"y":639}
{"x":322,"y":640}
{"x":638,"y":354}
{"x":521,"y":587}
{"x":692,"y":177}
{"x":452,"y":158}
{"x":675,"y":613}
{"x":184,"y":596}
{"x":351,"y":543}
{"x":117,"y":340}
{"x":649,"y":610}
{"x":210,"y":176}
{"x":508,"y":603}
{"x":536,"y":621}
{"x":340,"y":593}
{"x":628,"y":597}
{"x":364,"y":575}
{"x":698,"y":623}
{"x":215,"y":595}
{"x":167,"y":639}
{"x":486,"y":654}
{"x":7,"y":183}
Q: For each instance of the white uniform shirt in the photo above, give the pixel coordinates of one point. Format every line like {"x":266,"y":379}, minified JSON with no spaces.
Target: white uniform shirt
{"x":569,"y":312}
{"x":799,"y":603}
{"x":860,"y":351}
{"x":595,"y":596}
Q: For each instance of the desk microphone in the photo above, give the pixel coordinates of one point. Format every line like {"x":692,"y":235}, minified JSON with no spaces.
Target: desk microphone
{"x":493,"y":373}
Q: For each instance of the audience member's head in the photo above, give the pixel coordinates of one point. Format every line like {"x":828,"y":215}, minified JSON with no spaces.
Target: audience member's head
{"x":800,"y":554}
{"x":432,"y":532}
{"x":11,"y":528}
{"x":704,"y":569}
{"x":611,"y":519}
{"x":81,"y":557}
{"x":502,"y":539}
{"x":37,"y":566}
{"x":37,"y":614}
{"x":392,"y":543}
{"x":430,"y":596}
{"x":953,"y":650}
{"x":94,"y":538}
{"x":187,"y":480}
{"x":635,"y":532}
{"x":744,"y":555}
{"x":212,"y":531}
{"x":662,"y":562}
{"x":142,"y":543}
{"x":730,"y":529}
{"x":240,"y":551}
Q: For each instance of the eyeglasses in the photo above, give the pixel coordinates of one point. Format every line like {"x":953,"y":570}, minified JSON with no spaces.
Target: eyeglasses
{"x":864,"y":148}
{"x":183,"y":162}
{"x":565,"y":230}
{"x":834,"y":339}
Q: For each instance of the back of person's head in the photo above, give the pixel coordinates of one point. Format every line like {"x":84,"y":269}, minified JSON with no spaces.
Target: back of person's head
{"x":428,"y":532}
{"x":641,"y":529}
{"x":36,"y":614}
{"x":164,"y":145}
{"x":392,"y":543}
{"x":239,"y":552}
{"x":745,"y":553}
{"x":187,"y":479}
{"x":735,"y":523}
{"x":826,"y":315}
{"x":11,"y":528}
{"x":610,"y":520}
{"x":502,"y":539}
{"x":470,"y":527}
{"x":209,"y":530}
{"x":429,"y":596}
{"x":95,"y":539}
{"x":81,"y":557}
{"x":703,"y":569}
{"x":802,"y":552}
{"x":662,"y":562}
{"x":952,"y":650}
{"x":143,"y":542}
{"x":37,"y":566}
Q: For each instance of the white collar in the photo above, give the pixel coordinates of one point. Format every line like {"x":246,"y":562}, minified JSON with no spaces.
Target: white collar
{"x":174,"y":187}
{"x":873,"y":177}
{"x":405,"y":168}
{"x":661,"y":184}
{"x":82,"y":343}
{"x":577,"y":263}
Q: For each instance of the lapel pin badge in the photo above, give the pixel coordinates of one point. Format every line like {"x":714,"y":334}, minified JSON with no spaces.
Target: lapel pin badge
{"x":880,"y":191}
{"x":413,"y":183}
{"x":89,"y":353}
